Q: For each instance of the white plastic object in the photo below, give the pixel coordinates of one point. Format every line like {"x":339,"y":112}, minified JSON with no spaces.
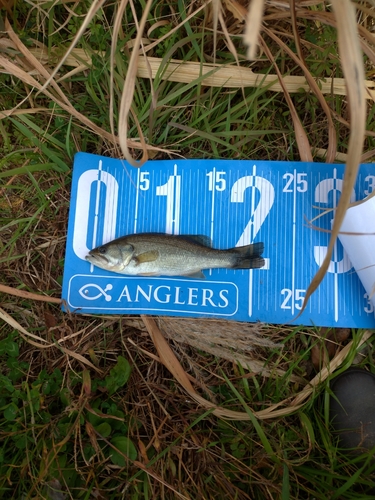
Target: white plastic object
{"x":360,"y":246}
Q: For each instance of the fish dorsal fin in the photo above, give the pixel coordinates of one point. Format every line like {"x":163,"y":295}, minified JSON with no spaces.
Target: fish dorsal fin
{"x":201,"y":239}
{"x":146,"y":257}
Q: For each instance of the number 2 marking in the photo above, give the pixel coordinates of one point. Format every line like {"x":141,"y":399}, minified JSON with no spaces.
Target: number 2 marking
{"x":259,"y":213}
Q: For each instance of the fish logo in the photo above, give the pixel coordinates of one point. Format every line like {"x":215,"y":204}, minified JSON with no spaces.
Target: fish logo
{"x":86,"y":290}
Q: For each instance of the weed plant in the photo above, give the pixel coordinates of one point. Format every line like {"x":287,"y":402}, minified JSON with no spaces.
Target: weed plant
{"x":97,"y":416}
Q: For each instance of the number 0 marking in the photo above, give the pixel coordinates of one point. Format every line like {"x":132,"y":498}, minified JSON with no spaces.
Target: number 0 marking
{"x":82,"y":211}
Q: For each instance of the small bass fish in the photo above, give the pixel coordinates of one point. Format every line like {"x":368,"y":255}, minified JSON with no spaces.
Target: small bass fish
{"x":154,"y":254}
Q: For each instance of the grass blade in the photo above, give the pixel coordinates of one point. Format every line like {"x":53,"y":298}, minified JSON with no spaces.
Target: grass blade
{"x":352,"y":62}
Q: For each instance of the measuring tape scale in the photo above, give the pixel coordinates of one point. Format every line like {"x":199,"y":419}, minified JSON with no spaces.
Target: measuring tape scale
{"x":235,"y":203}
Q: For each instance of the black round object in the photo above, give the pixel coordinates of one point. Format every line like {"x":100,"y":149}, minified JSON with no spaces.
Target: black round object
{"x":352,"y":408}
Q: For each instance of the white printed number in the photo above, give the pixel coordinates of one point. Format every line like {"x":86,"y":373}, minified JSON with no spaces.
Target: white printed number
{"x":298,"y":298}
{"x":172,"y":191}
{"x":144,"y":181}
{"x":216,"y":181}
{"x":258,"y":213}
{"x":370,"y":180}
{"x":369,"y":308}
{"x":298,"y":179}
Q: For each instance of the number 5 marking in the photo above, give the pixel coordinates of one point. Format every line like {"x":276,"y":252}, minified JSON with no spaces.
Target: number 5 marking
{"x":144,"y":181}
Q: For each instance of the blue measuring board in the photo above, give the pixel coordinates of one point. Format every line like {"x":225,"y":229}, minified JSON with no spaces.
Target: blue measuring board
{"x":234,"y":202}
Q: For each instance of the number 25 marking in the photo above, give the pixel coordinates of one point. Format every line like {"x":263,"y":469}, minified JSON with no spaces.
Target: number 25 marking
{"x":298,"y":178}
{"x":288,"y":296}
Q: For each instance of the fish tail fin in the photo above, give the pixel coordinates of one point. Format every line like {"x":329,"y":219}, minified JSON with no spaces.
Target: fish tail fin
{"x":249,"y":256}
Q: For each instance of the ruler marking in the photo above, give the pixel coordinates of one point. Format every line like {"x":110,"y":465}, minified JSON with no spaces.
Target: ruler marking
{"x":212,"y":207}
{"x":96,"y":212}
{"x":177,"y":201}
{"x":294,"y":238}
{"x":250,"y":310}
{"x":181,"y":201}
{"x":335,"y":253}
{"x":136,"y":201}
{"x":277,"y":295}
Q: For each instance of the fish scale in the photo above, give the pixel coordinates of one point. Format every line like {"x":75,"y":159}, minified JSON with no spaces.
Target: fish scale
{"x":153,"y":254}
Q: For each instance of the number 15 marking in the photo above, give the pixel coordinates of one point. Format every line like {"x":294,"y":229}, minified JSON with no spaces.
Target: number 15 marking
{"x":216,"y":180}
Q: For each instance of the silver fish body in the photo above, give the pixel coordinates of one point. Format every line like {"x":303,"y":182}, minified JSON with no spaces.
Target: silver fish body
{"x":154,"y":254}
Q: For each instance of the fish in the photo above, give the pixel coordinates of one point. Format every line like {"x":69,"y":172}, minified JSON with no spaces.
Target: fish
{"x":157,"y":254}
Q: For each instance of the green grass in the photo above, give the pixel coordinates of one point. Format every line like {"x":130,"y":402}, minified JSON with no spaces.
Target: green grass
{"x":86,"y":431}
{"x":127,"y":429}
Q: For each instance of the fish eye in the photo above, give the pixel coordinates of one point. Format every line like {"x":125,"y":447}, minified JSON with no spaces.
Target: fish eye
{"x":102,"y":250}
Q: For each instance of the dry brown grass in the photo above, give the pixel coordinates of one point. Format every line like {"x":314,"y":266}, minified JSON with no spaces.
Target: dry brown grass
{"x":173,"y":382}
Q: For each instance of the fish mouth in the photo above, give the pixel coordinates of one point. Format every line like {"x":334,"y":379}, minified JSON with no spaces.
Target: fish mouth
{"x":96,"y":259}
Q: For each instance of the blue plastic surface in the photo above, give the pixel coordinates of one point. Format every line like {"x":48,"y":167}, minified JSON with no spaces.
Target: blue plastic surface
{"x":234,"y":202}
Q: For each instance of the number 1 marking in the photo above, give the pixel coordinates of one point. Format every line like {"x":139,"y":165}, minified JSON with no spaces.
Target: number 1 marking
{"x":172,"y":190}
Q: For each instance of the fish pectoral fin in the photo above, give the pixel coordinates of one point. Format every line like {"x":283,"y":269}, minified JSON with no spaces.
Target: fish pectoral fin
{"x":146,"y":257}
{"x":198,"y":275}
